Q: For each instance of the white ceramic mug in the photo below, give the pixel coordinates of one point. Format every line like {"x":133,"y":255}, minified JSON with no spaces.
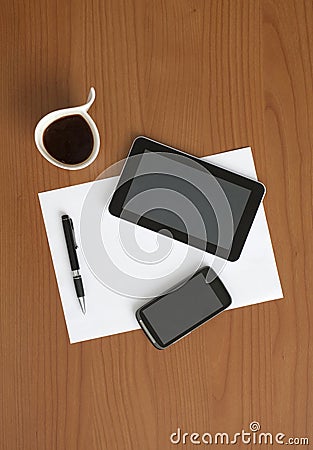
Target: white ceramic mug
{"x":60,"y":113}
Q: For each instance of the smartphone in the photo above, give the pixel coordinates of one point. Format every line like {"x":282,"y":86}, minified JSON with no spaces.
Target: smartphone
{"x":173,"y":315}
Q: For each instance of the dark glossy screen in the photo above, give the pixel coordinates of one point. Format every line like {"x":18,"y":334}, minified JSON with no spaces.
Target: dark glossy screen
{"x":177,"y":195}
{"x":181,"y":310}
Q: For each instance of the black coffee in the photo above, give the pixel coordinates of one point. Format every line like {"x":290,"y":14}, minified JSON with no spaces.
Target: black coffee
{"x":69,"y":139}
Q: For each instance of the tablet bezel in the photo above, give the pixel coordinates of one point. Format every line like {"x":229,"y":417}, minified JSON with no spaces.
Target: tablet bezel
{"x":257,"y":191}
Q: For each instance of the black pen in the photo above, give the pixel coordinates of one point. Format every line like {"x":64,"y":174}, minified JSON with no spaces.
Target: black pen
{"x":71,"y":249}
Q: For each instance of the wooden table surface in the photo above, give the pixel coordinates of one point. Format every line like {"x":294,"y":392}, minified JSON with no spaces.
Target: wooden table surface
{"x":203,"y":76}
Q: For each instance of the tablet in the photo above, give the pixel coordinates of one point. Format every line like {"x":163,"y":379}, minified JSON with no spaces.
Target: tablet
{"x":188,"y":199}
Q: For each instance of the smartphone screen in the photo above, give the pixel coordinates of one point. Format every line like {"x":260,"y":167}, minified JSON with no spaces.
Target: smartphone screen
{"x":173,"y":315}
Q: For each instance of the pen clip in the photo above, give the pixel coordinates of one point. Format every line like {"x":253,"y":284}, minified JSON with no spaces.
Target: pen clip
{"x":73,"y":234}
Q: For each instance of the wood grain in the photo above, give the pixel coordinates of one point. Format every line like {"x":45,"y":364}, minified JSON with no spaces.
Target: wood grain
{"x":203,"y":76}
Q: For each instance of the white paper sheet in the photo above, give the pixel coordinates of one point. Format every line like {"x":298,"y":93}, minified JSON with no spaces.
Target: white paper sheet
{"x":251,"y":279}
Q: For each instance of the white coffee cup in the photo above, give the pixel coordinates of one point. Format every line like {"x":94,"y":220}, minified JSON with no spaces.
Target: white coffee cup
{"x":60,"y":113}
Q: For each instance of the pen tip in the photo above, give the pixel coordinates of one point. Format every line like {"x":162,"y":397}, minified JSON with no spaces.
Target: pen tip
{"x":82,"y":304}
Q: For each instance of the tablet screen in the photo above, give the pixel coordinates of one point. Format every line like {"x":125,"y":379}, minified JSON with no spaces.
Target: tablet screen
{"x":180,"y":196}
{"x":186,"y":198}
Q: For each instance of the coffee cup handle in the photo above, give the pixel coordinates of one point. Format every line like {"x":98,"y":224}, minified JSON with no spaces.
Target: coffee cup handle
{"x":91,"y":98}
